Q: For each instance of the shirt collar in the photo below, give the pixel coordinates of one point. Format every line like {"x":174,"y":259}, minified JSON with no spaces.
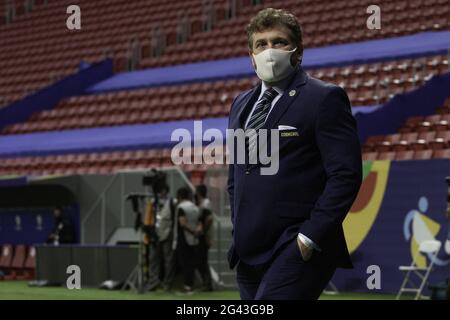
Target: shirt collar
{"x":280,"y":87}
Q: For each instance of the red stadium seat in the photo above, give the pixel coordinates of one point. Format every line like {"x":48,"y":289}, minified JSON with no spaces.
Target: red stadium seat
{"x":444,"y":135}
{"x":440,"y":154}
{"x":404,"y":155}
{"x":369,"y":156}
{"x":374,"y":140}
{"x":424,"y":126}
{"x":409,"y":137}
{"x":438,"y":144}
{"x":414,"y":121}
{"x":6,"y":260}
{"x":400,"y":146}
{"x":423,"y":154}
{"x":442,"y":125}
{"x":435,"y":118}
{"x":385,"y":146}
{"x":426,"y":136}
{"x":419,"y":145}
{"x":392,"y":138}
{"x":17,"y":262}
{"x":366,"y":148}
{"x":386,"y":155}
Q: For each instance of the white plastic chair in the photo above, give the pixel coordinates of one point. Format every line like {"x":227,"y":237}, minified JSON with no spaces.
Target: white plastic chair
{"x":430,"y":248}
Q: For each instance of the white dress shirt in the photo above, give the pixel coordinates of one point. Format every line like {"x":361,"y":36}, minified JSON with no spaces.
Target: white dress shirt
{"x":279,"y":88}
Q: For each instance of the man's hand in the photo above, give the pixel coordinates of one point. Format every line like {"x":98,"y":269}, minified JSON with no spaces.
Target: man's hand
{"x":305,"y":251}
{"x":198,"y":230}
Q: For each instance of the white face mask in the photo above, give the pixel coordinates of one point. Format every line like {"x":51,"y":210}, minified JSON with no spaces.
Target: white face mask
{"x":273,"y":65}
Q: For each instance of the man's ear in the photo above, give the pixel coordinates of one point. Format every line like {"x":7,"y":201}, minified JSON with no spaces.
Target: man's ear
{"x":295,"y":58}
{"x":300,"y":53}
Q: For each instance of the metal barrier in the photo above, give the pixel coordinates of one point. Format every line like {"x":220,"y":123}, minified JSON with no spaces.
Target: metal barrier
{"x":108,"y":211}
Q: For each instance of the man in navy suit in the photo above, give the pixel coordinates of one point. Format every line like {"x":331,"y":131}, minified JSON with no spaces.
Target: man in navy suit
{"x":287,"y":227}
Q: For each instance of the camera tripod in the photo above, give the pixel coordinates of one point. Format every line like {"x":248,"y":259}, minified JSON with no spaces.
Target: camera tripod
{"x":153,"y":182}
{"x":135,"y":280}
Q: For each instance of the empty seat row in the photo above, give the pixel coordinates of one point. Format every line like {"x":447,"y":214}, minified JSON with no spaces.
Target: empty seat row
{"x":342,"y":25}
{"x":17,"y":262}
{"x":417,"y":133}
{"x":35,"y":40}
{"x":209,"y":99}
{"x":96,"y":163}
{"x":404,"y":145}
{"x":114,"y":161}
{"x":407,"y":155}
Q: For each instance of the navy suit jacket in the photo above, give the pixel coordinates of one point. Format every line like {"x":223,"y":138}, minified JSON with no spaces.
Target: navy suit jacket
{"x":319,"y":176}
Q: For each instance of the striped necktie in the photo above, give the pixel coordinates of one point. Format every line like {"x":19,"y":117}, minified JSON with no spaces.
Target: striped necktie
{"x":257,"y":120}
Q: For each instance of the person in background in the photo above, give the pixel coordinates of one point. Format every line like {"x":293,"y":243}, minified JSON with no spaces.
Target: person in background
{"x":201,"y":197}
{"x":162,"y":256}
{"x":204,"y":232}
{"x":63,"y":231}
{"x":185,"y":236}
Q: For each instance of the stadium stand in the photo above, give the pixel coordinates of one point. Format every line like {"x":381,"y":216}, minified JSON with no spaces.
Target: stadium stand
{"x":179,"y":61}
{"x":366,"y":84}
{"x":338,"y":29}
{"x":50,"y":53}
{"x":419,"y":138}
{"x":426,"y":138}
{"x":109,"y":162}
{"x":114,"y":148}
{"x":44,"y":53}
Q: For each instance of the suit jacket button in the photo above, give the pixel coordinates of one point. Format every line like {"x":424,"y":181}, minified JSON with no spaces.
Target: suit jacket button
{"x":247,"y":172}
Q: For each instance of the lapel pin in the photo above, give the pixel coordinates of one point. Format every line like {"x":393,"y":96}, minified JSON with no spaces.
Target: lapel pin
{"x":292,"y":93}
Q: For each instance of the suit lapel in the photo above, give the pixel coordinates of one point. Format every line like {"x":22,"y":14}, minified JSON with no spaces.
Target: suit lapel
{"x":245,"y":107}
{"x":283,"y":104}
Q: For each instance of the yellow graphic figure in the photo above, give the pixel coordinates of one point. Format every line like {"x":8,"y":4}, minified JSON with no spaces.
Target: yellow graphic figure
{"x":364,"y":211}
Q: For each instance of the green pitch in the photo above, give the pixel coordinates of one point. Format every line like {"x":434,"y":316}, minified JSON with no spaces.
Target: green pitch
{"x":12,"y":290}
